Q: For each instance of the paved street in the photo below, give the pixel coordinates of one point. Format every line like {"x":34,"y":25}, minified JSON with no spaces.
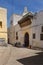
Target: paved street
{"x":20,"y":56}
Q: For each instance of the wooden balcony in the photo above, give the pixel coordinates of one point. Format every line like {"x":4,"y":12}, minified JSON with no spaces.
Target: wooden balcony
{"x":25,"y":21}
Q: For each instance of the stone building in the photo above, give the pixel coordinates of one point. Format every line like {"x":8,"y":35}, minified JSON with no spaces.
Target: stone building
{"x":3,"y":26}
{"x":28,"y":29}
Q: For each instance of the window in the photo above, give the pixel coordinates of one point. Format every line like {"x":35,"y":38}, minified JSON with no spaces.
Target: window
{"x":42,"y":28}
{"x":16,"y":35}
{"x":0,"y":24}
{"x":34,"y":36}
{"x":41,"y":36}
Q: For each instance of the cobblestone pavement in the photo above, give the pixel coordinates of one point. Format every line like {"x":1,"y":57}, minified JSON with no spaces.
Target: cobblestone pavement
{"x":11,"y":55}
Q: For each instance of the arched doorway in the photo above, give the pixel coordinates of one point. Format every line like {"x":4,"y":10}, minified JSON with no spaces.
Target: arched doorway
{"x":26,"y":39}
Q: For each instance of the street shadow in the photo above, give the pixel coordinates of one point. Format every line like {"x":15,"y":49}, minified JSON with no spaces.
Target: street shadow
{"x":33,"y":60}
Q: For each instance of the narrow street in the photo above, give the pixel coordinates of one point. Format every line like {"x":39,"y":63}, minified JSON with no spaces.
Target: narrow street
{"x":17,"y":56}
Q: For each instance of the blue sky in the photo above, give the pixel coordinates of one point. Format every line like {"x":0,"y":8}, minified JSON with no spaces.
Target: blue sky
{"x":17,"y":6}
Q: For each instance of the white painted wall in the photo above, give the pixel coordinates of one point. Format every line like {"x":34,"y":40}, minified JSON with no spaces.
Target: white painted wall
{"x":17,"y":29}
{"x":36,"y":28}
{"x":16,"y":18}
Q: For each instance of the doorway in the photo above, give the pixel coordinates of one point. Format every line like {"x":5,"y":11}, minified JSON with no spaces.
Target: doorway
{"x":26,"y":39}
